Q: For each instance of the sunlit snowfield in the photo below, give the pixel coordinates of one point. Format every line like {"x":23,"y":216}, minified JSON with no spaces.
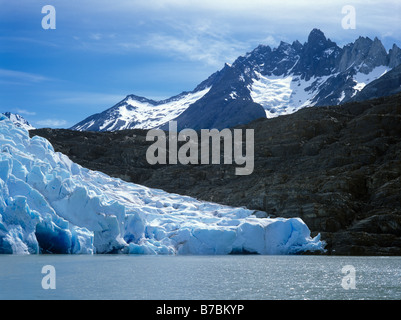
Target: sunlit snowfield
{"x":200,"y":277}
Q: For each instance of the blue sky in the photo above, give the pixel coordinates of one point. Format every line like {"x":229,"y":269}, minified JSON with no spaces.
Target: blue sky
{"x":101,"y":51}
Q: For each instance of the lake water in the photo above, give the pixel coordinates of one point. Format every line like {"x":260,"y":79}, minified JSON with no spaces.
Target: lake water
{"x":200,"y":277}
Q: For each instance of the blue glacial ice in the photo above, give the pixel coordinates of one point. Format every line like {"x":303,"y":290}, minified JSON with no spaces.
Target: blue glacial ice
{"x":48,"y":204}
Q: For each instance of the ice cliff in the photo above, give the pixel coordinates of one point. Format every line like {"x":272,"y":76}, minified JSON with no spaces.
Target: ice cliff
{"x":48,"y":204}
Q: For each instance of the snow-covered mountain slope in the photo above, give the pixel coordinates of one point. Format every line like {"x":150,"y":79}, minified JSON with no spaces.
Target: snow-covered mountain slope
{"x":50,"y":204}
{"x":317,"y":73}
{"x":285,"y":95}
{"x":265,"y":82}
{"x":19,"y":121}
{"x":140,"y":113}
{"x":386,"y":85}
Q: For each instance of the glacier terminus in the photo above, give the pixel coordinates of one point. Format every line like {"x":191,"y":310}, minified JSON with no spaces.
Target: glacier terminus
{"x":48,"y":204}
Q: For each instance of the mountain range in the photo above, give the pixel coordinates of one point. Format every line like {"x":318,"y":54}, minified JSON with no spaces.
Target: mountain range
{"x":265,"y":83}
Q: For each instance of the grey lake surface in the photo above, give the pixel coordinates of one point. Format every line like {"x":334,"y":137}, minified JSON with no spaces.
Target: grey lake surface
{"x":200,"y":277}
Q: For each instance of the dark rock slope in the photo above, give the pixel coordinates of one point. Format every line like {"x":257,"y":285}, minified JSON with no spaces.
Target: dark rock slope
{"x":338,"y":168}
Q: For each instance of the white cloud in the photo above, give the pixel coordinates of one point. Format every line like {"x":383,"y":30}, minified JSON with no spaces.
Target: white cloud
{"x":25,"y":112}
{"x":84,"y":98}
{"x":199,"y":39}
{"x":96,"y":36}
{"x":271,"y":41}
{"x":210,"y":51}
{"x":19,"y":76}
{"x":51,"y":123}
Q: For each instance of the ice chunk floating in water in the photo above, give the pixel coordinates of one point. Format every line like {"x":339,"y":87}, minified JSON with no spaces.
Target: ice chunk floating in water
{"x":50,"y":204}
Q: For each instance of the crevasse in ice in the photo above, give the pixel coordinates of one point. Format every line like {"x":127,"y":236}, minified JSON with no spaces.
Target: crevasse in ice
{"x":48,"y":204}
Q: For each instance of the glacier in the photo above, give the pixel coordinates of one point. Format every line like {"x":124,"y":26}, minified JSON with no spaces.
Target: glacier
{"x":49,"y":204}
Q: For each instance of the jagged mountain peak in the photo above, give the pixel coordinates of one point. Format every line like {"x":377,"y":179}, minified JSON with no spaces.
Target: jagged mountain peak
{"x":297,"y":45}
{"x":364,"y":55}
{"x":140,"y":99}
{"x":394,"y":56}
{"x":316,"y":35}
{"x":318,"y":41}
{"x":283,"y":46}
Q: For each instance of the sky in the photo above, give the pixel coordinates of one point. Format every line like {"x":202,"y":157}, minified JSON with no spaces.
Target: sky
{"x":101,"y":51}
